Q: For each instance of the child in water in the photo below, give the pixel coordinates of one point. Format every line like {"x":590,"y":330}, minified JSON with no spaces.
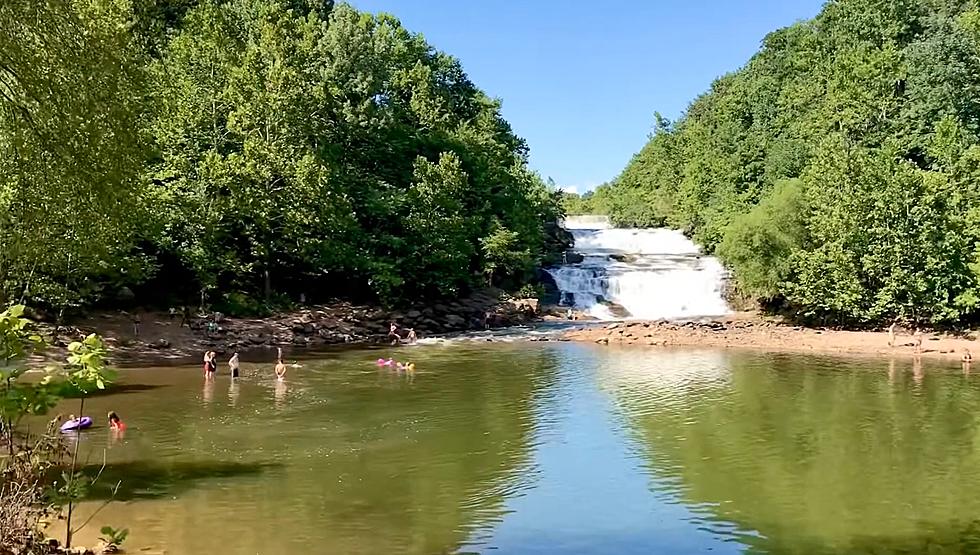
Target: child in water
{"x":115,"y":423}
{"x":280,"y":370}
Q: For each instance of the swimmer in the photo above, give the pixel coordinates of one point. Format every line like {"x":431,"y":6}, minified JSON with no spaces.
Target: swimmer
{"x":410,"y":367}
{"x":967,"y":357}
{"x":115,"y":423}
{"x":280,"y":370}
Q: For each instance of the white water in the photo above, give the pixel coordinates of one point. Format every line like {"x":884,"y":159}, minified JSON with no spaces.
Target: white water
{"x":651,"y":273}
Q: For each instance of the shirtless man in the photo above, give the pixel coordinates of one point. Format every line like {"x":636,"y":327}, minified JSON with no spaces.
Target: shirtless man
{"x":891,"y":334}
{"x":280,"y":370}
{"x":917,"y":341}
{"x":233,"y":365}
{"x":393,"y":334}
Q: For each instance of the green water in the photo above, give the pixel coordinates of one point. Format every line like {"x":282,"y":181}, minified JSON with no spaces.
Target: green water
{"x":546,"y":448}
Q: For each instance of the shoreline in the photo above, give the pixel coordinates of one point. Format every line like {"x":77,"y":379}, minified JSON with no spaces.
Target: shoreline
{"x":751,"y":332}
{"x":162,"y":338}
{"x":321,"y":328}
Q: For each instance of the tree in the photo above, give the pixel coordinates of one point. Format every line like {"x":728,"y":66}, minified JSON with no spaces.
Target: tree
{"x":70,"y":148}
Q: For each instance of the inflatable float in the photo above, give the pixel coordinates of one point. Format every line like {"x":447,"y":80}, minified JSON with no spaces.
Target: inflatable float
{"x":77,"y":424}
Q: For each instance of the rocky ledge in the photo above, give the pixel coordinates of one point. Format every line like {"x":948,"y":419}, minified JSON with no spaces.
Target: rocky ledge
{"x":161,"y":337}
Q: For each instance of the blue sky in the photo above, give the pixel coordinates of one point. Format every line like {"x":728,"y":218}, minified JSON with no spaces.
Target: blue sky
{"x":580,"y":80}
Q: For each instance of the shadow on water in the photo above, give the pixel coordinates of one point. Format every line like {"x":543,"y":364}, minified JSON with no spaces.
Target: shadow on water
{"x":151,"y":480}
{"x":116,"y":389}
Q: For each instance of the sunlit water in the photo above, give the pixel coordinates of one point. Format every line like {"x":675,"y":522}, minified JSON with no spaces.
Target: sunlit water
{"x":645,"y":273}
{"x":546,"y":448}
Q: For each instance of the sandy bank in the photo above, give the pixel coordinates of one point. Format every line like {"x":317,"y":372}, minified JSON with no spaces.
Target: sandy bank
{"x":747,"y":331}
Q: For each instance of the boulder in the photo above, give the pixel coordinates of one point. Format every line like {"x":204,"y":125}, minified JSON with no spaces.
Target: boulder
{"x":413,"y":314}
{"x":455,"y":320}
{"x":573,"y":258}
{"x":125,"y":294}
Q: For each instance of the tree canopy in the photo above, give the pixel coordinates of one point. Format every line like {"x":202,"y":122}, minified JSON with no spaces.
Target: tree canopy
{"x":836,"y":173}
{"x":251,"y":146}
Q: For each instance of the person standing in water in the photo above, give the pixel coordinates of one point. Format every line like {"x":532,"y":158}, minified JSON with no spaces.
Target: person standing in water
{"x":210,"y":366}
{"x":233,"y":365}
{"x":412,"y":338}
{"x":891,"y":334}
{"x":280,"y":370}
{"x":917,"y":341}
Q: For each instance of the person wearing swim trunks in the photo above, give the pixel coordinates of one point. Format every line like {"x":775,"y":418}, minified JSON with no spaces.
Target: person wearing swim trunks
{"x":233,"y":365}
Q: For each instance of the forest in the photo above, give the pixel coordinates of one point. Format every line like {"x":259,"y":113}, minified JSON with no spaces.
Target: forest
{"x":242,"y":151}
{"x":837,"y":174}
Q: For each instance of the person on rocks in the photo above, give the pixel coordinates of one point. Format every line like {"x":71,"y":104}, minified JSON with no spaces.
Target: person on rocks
{"x":411,"y":338}
{"x":233,"y":365}
{"x":185,"y":316}
{"x":280,"y":370}
{"x":136,"y":324}
{"x":393,"y":334}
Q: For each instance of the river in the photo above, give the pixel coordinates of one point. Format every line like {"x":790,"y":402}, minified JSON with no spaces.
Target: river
{"x":548,"y":448}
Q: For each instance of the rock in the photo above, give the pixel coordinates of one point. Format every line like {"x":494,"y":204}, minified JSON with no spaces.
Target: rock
{"x":125,"y":294}
{"x":160,"y":344}
{"x":573,"y":258}
{"x":413,"y":314}
{"x":603,"y":340}
{"x":455,"y":320}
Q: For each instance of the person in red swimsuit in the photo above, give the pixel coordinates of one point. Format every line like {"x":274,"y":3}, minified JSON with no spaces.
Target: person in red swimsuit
{"x":115,"y":423}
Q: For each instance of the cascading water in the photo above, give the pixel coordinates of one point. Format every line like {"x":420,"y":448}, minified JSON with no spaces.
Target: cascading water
{"x":638,"y":273}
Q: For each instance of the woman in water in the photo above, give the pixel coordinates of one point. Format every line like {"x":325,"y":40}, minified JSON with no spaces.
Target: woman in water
{"x":210,"y":366}
{"x":115,"y":423}
{"x":280,"y":370}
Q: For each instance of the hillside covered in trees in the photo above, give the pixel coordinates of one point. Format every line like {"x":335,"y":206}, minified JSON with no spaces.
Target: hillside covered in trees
{"x":838,"y":172}
{"x":248,"y":149}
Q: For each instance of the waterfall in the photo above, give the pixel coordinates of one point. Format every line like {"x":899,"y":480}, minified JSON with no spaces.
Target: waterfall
{"x":638,"y":273}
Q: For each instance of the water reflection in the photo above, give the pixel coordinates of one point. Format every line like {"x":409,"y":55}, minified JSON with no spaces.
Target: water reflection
{"x":335,"y":460}
{"x":810,"y":455}
{"x":551,"y":449}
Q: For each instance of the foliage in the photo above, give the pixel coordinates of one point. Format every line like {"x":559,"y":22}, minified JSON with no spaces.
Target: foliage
{"x":836,"y":171}
{"x":113,"y":538}
{"x":256,"y":146}
{"x":28,"y":461}
{"x":71,"y":206}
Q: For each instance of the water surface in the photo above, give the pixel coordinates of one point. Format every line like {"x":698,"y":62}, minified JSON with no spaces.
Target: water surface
{"x":546,"y":448}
